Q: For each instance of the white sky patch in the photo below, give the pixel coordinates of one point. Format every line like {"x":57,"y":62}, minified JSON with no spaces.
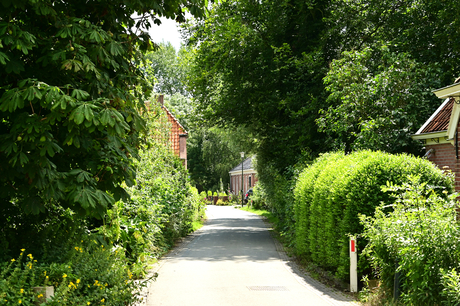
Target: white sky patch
{"x":167,"y":31}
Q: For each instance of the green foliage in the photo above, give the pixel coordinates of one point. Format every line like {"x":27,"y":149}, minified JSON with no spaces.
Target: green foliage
{"x":93,"y":275}
{"x":375,"y":104}
{"x":169,"y":69}
{"x":331,"y":193}
{"x":70,"y":122}
{"x":450,"y":281}
{"x":259,"y":64}
{"x":221,"y":202}
{"x":258,"y":197}
{"x":213,"y":152}
{"x":162,"y":207}
{"x":419,"y":234}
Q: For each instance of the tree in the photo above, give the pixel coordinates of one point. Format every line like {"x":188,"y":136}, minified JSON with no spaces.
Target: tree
{"x":379,"y":99}
{"x":213,"y":152}
{"x":389,"y":56}
{"x":260,"y":64}
{"x":68,"y":99}
{"x":168,"y":69}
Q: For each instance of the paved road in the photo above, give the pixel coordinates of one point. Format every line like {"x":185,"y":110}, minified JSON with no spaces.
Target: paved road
{"x":233,"y":260}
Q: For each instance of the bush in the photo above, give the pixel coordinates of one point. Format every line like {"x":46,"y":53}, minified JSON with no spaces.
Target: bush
{"x":162,"y":208}
{"x":419,"y":234}
{"x":94,"y":275}
{"x":331,"y":193}
{"x":258,"y":197}
{"x":221,"y":202}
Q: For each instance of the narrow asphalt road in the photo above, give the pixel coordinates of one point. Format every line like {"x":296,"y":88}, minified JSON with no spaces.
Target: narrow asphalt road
{"x":233,"y":260}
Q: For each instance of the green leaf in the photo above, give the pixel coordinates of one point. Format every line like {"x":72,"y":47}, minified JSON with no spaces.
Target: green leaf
{"x":88,"y":112}
{"x":3,"y":58}
{"x":79,"y":94}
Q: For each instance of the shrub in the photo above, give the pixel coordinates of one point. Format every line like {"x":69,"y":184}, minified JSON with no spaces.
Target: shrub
{"x":162,"y":208}
{"x":221,"y":202}
{"x":419,"y":234}
{"x":258,"y":197}
{"x":203,"y":196}
{"x":331,"y":193}
{"x":94,"y":275}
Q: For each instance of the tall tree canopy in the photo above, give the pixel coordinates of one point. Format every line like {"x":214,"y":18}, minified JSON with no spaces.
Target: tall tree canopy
{"x":388,"y":56}
{"x":260,"y":64}
{"x":359,"y":71}
{"x":69,"y":92}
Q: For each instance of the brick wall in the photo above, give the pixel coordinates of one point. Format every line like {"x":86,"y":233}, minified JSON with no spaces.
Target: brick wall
{"x":444,"y":156}
{"x":235,"y":182}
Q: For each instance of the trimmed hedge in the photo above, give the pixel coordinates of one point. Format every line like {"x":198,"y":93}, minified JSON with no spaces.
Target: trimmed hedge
{"x":336,"y":188}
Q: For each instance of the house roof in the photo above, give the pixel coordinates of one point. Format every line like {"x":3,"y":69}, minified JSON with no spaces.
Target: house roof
{"x":174,"y":119}
{"x":440,"y":119}
{"x":247,"y":165}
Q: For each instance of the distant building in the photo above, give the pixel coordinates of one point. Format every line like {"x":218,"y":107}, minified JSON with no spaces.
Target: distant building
{"x":177,"y":133}
{"x":249,"y":175}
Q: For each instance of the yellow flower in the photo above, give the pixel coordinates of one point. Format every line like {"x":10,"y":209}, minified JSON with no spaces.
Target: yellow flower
{"x":40,"y":295}
{"x":78,"y":281}
{"x":72,"y":285}
{"x":22,"y":250}
{"x":103,"y":300}
{"x":19,"y":301}
{"x":64,"y":275}
{"x":88,"y":303}
{"x":30,"y":256}
{"x":22,"y":290}
{"x":13,"y":259}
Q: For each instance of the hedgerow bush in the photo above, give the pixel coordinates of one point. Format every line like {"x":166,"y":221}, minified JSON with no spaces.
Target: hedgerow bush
{"x":418,"y":236}
{"x":332,"y":192}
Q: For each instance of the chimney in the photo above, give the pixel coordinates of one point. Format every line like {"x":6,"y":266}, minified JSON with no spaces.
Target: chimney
{"x":161,"y":100}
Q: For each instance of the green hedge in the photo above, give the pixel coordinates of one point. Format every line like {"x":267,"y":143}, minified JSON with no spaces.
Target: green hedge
{"x":333,"y":191}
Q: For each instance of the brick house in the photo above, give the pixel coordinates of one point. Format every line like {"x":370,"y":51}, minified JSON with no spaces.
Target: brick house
{"x":249,"y":175}
{"x":177,"y":133}
{"x":440,"y":132}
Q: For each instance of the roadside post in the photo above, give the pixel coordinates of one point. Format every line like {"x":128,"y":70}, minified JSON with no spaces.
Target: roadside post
{"x":353,"y":265}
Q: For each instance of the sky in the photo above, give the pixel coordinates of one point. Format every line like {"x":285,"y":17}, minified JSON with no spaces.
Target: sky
{"x":167,"y":31}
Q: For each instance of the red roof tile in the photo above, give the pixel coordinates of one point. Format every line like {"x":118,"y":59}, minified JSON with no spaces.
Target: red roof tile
{"x":440,"y":122}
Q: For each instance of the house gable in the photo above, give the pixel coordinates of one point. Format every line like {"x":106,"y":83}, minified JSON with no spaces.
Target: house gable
{"x":440,"y":132}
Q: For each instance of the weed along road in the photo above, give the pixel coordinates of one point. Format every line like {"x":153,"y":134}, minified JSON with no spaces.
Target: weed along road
{"x":233,"y":260}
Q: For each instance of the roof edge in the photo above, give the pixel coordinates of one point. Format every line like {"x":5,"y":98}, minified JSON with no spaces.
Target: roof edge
{"x":419,"y":132}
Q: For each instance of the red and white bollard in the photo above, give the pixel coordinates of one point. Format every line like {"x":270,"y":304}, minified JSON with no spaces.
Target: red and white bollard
{"x":353,"y":265}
